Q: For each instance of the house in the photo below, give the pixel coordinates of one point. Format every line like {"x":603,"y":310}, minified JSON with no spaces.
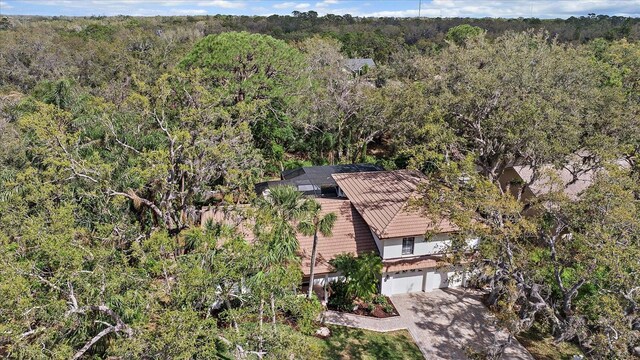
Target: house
{"x":411,"y":262}
{"x":375,"y":213}
{"x":314,"y":181}
{"x":358,"y":66}
{"x":350,"y":234}
{"x":572,"y":179}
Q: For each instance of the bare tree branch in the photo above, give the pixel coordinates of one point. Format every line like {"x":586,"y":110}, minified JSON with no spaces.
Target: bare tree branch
{"x":127,"y":146}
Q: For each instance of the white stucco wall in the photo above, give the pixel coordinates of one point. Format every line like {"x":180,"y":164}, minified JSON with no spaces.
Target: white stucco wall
{"x":386,"y":284}
{"x":378,"y":244}
{"x":325,"y":278}
{"x":436,"y":245}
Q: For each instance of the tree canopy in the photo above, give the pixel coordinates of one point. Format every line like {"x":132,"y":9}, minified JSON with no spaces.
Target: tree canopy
{"x":119,"y":133}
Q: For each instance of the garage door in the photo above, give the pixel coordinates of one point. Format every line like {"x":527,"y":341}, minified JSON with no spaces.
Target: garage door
{"x":436,"y":280}
{"x":442,"y":278}
{"x":408,"y":282}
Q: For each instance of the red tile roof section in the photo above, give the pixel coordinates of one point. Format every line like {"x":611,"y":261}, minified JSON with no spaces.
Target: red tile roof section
{"x":350,"y":234}
{"x":421,"y":262}
{"x":418,"y":262}
{"x":383,"y":200}
{"x":233,"y":216}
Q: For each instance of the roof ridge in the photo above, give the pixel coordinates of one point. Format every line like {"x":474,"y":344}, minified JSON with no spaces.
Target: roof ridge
{"x":392,"y":189}
{"x":403,"y":203}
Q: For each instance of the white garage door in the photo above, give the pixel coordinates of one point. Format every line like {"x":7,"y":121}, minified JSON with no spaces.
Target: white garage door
{"x":436,"y":280}
{"x":456,"y":278}
{"x":408,"y":282}
{"x":442,"y":278}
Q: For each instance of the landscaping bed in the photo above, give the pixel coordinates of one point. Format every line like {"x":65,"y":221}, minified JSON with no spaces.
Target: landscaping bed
{"x":379,"y":307}
{"x":382,"y":309}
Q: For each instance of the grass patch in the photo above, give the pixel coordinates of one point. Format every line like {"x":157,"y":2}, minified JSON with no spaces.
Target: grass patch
{"x":349,"y":343}
{"x":541,"y":346}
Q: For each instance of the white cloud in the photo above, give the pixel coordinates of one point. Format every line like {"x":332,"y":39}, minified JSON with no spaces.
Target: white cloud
{"x":225,"y":4}
{"x":391,"y":13}
{"x":515,"y":8}
{"x":326,"y":3}
{"x":284,"y":5}
{"x":172,"y":3}
{"x":4,"y":5}
{"x":189,"y":11}
{"x":292,"y":5}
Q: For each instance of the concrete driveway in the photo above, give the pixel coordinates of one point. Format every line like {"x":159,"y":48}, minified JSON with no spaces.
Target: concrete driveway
{"x":446,"y":322}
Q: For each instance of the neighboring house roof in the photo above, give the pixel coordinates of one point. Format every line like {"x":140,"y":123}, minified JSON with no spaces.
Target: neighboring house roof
{"x":315,"y":180}
{"x":383,"y":200}
{"x":552,"y":179}
{"x":560,"y":179}
{"x":350,"y":234}
{"x":355,"y":65}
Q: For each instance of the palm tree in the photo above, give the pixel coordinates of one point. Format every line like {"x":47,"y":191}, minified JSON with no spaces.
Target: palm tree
{"x":277,"y":214}
{"x":311,"y":224}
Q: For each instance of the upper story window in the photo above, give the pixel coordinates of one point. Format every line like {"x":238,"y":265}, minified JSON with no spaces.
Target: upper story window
{"x":407,"y":245}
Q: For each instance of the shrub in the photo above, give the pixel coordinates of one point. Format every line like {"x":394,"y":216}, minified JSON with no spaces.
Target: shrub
{"x":380,"y":299}
{"x":370,"y":307}
{"x":306,"y":312}
{"x":361,"y":274}
{"x":459,"y":34}
{"x":340,"y":299}
{"x":388,"y":308}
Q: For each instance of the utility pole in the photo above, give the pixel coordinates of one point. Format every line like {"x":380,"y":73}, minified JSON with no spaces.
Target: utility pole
{"x":419,"y":8}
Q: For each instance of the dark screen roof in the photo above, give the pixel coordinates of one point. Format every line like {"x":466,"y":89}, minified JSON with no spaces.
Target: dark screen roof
{"x":315,"y":180}
{"x":322,"y":174}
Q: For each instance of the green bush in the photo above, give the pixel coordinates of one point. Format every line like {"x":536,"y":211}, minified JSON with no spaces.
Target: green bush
{"x":340,"y":298}
{"x":362,"y":274}
{"x":306,"y":312}
{"x":459,"y":34}
{"x":370,"y":307}
{"x":380,"y":300}
{"x":98,"y":32}
{"x":388,"y":308}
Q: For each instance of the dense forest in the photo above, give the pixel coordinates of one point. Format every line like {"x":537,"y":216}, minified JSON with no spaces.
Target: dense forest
{"x":116,"y":132}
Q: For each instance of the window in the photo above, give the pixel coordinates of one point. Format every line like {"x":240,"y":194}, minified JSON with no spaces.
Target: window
{"x":407,"y":246}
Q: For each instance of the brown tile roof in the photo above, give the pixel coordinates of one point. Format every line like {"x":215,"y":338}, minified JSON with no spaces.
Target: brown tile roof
{"x":556,"y":180}
{"x":552,"y":179}
{"x":420,"y":262}
{"x":233,"y":216}
{"x":350,"y":234}
{"x":383,"y":200}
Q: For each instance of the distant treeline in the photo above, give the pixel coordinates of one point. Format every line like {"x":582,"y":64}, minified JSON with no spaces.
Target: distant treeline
{"x":364,"y":37}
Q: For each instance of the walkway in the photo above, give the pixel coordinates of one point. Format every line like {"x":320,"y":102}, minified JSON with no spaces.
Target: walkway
{"x":364,"y":322}
{"x":443,"y":323}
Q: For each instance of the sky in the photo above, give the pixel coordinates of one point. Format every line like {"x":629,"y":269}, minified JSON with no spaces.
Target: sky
{"x":377,"y":8}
